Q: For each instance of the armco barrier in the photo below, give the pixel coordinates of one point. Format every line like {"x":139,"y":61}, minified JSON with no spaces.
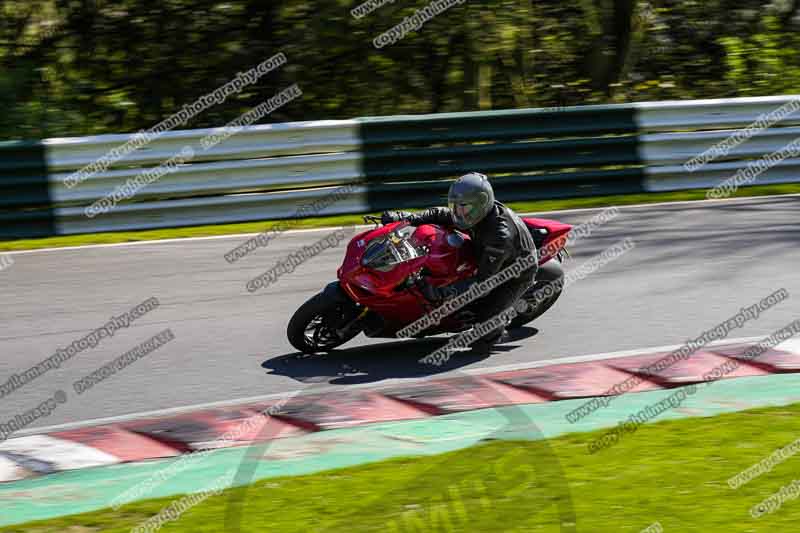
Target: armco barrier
{"x":268,"y":171}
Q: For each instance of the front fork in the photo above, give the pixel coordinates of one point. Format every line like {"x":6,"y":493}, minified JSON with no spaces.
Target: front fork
{"x":351,"y":325}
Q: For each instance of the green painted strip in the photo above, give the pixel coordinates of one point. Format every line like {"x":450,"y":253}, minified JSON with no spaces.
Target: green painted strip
{"x":91,"y":489}
{"x":26,"y":208}
{"x":515,"y":188}
{"x":436,"y":162}
{"x":498,"y":125}
{"x":400,"y":149}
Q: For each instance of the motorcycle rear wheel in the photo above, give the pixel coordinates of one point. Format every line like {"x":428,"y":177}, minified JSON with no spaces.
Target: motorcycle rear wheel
{"x":549,"y":273}
{"x":312,"y":328}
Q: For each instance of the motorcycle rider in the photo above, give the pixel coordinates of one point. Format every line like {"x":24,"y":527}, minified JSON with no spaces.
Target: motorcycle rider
{"x":499,"y":238}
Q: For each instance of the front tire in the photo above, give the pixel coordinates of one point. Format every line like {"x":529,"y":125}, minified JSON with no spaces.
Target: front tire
{"x":312,"y":328}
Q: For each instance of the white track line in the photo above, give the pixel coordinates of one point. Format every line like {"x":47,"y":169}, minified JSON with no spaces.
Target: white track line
{"x":372,"y":386}
{"x":743,"y":200}
{"x":317,"y":230}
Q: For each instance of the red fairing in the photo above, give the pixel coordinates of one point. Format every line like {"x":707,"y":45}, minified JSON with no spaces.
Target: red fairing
{"x":446,"y":263}
{"x":554,"y":241}
{"x":384,"y":292}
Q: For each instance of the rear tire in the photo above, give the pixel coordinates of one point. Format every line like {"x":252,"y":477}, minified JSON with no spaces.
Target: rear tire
{"x":312,"y":328}
{"x":551,"y":274}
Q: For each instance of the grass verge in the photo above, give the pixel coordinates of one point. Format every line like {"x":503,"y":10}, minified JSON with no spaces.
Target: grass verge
{"x":673,"y":472}
{"x":539,"y":206}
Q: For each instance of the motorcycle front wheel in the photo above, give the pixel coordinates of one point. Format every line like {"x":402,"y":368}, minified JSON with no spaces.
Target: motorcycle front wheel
{"x":312,"y":329}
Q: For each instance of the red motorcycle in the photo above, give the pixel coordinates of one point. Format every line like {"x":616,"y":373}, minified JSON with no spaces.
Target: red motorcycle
{"x":377,"y":292}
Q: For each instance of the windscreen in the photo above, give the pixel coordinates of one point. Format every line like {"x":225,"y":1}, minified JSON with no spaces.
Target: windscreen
{"x":397,"y":247}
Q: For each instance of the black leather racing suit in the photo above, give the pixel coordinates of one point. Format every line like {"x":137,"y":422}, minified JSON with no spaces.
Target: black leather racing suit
{"x":499,"y":240}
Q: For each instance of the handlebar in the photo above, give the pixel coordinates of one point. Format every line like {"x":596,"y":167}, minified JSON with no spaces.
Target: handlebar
{"x":372,"y":219}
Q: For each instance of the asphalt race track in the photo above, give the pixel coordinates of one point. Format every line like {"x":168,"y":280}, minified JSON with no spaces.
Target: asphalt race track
{"x":693,"y":266}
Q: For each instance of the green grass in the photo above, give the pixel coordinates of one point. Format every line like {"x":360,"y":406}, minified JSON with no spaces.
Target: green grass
{"x":673,"y":472}
{"x":540,"y":206}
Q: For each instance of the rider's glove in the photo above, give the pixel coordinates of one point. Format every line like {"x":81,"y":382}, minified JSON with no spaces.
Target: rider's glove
{"x":390,"y":216}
